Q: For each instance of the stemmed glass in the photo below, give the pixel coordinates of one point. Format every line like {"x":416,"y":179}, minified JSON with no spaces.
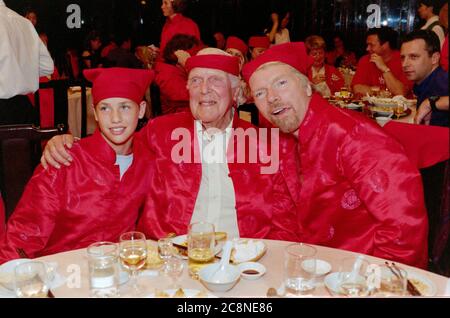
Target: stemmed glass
{"x":133,"y":254}
{"x":165,"y":249}
{"x":174,"y":268}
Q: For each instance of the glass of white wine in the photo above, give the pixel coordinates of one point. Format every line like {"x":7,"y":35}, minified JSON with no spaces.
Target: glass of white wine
{"x":201,"y":242}
{"x":133,"y":254}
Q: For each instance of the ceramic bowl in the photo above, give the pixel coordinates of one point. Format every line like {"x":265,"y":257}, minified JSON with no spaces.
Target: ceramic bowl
{"x":227,"y":279}
{"x":252,"y":270}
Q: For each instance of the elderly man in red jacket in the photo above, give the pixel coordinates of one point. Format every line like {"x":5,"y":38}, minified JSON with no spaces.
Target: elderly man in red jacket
{"x":213,"y":166}
{"x":359,"y":190}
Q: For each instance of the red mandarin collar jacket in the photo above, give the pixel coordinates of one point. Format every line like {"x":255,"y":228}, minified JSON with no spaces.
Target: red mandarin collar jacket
{"x":359,"y":190}
{"x":75,"y":206}
{"x":263,"y":204}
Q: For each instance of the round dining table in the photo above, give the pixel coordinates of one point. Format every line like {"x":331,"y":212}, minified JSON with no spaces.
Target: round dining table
{"x":73,"y":267}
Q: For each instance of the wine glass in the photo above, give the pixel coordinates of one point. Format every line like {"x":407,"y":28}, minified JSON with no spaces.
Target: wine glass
{"x":133,"y":254}
{"x":165,"y":249}
{"x":174,"y":268}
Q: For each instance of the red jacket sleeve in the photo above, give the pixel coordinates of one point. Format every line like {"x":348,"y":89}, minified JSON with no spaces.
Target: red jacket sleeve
{"x":172,"y":83}
{"x":391,"y":188}
{"x":33,"y":220}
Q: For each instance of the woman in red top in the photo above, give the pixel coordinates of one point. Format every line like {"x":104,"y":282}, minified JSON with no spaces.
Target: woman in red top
{"x":176,"y":23}
{"x":171,"y":76}
{"x":326,"y":79}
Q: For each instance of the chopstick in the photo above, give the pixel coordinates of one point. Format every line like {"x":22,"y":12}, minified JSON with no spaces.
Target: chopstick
{"x":410,"y":286}
{"x":23,"y":254}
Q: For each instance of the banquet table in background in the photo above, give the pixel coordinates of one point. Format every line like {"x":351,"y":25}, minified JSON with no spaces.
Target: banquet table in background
{"x":71,"y":262}
{"x":74,"y":112}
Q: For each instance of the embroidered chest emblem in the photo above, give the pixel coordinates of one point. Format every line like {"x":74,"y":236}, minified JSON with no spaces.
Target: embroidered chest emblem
{"x":350,"y":200}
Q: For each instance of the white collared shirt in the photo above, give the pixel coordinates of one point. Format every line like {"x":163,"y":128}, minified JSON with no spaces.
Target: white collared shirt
{"x":24,"y":57}
{"x":216,"y":201}
{"x":436,"y":29}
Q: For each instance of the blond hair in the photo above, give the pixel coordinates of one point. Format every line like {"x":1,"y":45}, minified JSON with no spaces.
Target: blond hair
{"x":314,"y":42}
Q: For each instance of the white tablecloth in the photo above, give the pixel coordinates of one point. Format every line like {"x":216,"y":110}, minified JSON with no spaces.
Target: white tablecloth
{"x":73,"y":266}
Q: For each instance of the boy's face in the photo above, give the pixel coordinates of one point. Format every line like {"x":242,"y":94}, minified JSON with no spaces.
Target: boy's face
{"x":117,"y":119}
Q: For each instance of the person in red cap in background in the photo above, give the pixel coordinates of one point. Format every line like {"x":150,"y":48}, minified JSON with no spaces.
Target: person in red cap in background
{"x":176,"y":22}
{"x":100,"y":195}
{"x":236,"y":47}
{"x":359,"y":191}
{"x":326,"y":80}
{"x":257,"y":45}
{"x":205,"y":180}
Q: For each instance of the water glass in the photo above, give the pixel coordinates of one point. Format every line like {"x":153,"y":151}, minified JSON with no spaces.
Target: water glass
{"x":298,"y":278}
{"x":388,"y":281}
{"x":31,"y":280}
{"x":201,"y":242}
{"x":174,"y":268}
{"x":353,"y":276}
{"x":103,"y":269}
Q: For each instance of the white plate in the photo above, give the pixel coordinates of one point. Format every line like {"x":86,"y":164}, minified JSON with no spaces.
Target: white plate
{"x":253,"y":258}
{"x":353,"y":106}
{"x":422,"y":283}
{"x":189,"y":293}
{"x":182,"y":240}
{"x":322,"y":267}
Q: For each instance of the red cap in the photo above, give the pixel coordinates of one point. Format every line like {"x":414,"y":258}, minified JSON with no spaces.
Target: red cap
{"x":226,"y":63}
{"x":236,"y":43}
{"x":259,"y":41}
{"x":118,"y":82}
{"x":291,"y":53}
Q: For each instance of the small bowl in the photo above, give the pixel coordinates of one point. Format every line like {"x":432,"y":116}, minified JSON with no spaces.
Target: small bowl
{"x":252,"y":270}
{"x":230,"y":278}
{"x":322,"y":267}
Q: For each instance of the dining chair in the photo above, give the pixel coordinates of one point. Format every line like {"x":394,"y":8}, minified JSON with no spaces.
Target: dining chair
{"x":20,"y":152}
